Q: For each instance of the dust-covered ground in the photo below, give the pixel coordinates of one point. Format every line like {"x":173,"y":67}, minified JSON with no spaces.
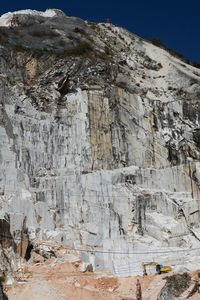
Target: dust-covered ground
{"x":64,"y":276}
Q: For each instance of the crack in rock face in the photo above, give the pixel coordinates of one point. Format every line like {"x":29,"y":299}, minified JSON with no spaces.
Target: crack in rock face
{"x":99,"y":142}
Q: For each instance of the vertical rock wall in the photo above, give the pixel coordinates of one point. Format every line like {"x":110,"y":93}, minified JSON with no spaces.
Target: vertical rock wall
{"x":110,"y":167}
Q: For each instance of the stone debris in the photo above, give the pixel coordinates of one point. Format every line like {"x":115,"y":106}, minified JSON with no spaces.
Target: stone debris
{"x":65,"y":280}
{"x":84,"y":267}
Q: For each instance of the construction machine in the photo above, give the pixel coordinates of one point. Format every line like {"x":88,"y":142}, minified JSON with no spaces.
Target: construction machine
{"x":159,"y":268}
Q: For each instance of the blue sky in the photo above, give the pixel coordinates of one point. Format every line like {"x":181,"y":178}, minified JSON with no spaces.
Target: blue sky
{"x":176,"y":22}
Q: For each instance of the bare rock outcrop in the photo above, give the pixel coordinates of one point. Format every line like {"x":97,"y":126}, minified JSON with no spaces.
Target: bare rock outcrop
{"x":99,"y":143}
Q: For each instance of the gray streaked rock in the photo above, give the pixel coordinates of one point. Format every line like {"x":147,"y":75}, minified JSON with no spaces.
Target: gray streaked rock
{"x":99,"y":148}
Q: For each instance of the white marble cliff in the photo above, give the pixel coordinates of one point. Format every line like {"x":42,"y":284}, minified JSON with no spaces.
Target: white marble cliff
{"x":99,"y":142}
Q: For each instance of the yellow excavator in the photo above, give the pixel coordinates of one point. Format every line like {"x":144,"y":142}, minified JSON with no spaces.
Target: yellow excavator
{"x":159,"y":268}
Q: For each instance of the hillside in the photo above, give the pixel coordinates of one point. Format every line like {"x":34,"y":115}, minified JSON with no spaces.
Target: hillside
{"x":99,"y":145}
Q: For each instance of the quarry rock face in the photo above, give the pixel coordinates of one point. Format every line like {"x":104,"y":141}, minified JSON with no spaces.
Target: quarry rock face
{"x":99,"y":143}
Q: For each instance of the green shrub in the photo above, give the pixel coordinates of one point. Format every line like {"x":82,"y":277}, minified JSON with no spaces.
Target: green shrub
{"x":81,"y":49}
{"x":79,"y":30}
{"x":2,"y":278}
{"x":196,"y":64}
{"x":180,"y":92}
{"x":43,"y":33}
{"x":157,"y":42}
{"x":107,"y":50}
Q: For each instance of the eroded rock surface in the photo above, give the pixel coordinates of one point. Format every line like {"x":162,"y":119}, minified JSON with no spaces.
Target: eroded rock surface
{"x":99,"y":142}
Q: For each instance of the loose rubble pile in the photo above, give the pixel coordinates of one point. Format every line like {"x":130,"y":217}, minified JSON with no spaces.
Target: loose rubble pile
{"x":62,"y":276}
